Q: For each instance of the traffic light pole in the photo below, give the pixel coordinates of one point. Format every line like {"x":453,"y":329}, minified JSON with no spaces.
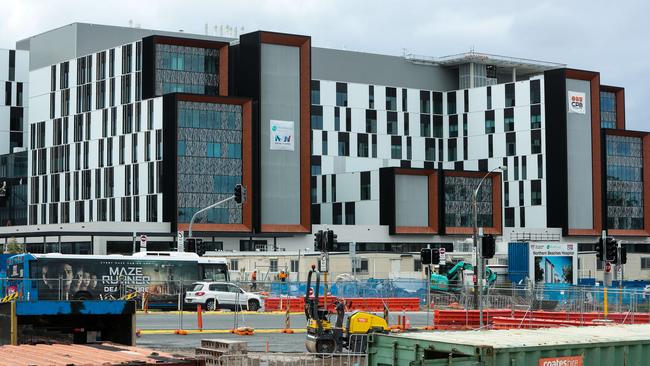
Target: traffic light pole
{"x":206,"y":209}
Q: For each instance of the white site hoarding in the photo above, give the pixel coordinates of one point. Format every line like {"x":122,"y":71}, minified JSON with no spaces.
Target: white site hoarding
{"x":553,"y":263}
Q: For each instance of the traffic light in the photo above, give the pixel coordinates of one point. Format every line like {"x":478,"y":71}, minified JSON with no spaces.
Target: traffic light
{"x":318,"y":241}
{"x":599,"y":249}
{"x":425,"y":256}
{"x":610,"y":249}
{"x":238,"y":193}
{"x":435,"y":256}
{"x":331,"y":241}
{"x":623,"y":258}
{"x":200,"y":247}
{"x":190,"y":245}
{"x":488,"y":246}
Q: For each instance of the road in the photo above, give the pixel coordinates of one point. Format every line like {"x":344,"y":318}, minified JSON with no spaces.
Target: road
{"x":157,"y":330}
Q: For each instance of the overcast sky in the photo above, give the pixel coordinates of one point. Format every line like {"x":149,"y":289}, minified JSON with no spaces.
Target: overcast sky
{"x":607,"y":36}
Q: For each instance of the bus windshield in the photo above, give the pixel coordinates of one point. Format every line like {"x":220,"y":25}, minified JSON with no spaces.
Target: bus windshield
{"x":215,"y":272}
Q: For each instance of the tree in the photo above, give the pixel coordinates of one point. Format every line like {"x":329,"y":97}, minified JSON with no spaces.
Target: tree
{"x":13,"y":247}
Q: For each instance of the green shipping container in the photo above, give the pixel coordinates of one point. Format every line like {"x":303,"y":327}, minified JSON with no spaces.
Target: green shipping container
{"x":613,"y":345}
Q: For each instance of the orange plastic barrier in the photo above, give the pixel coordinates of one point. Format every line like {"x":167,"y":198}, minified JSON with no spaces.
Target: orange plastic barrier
{"x":297,"y":304}
{"x":505,"y":319}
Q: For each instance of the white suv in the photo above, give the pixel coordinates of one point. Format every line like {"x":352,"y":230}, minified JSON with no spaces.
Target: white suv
{"x":215,"y":295}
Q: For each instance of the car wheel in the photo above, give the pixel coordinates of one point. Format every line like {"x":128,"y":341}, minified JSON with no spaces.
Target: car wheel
{"x":253,"y":305}
{"x":211,"y":305}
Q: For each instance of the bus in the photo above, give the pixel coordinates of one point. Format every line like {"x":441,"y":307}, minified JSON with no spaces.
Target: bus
{"x":162,"y":276}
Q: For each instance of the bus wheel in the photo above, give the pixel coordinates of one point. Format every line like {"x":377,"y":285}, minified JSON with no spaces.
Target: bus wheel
{"x":211,"y":305}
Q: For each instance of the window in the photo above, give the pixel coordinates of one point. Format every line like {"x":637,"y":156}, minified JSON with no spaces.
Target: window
{"x":273,"y":265}
{"x":645,"y":262}
{"x":333,"y":188}
{"x":524,"y":168}
{"x":213,"y":150}
{"x":337,"y":119}
{"x":323,"y":186}
{"x":466,"y":101}
{"x":374,"y":146}
{"x":510,"y":217}
{"x":314,"y":189}
{"x":152,"y":208}
{"x":371,"y":121}
{"x":371,"y":96}
{"x":425,"y":125}
{"x":391,"y":99}
{"x":316,"y":117}
{"x":451,"y":103}
{"x":349,"y":213}
{"x":489,"y":122}
{"x":294,"y":267}
{"x":365,"y":186}
{"x":540,"y":166}
{"x":409,"y":149}
{"x":465,"y":124}
{"x":430,"y":149}
{"x":396,"y":147}
{"x":535,"y":192}
{"x":391,"y":123}
{"x":489,"y":97}
{"x":511,"y":144}
{"x":362,"y":145}
{"x":363,"y":268}
{"x":126,"y":89}
{"x":516,"y":164}
{"x":453,"y":126}
{"x":607,"y":109}
{"x":535,"y":116}
{"x":536,"y":141}
{"x":425,"y":102}
{"x":126,"y":58}
{"x":342,"y":94}
{"x":324,"y":143}
{"x":134,"y":148}
{"x":437,"y":126}
{"x":437,"y":103}
{"x":315,"y":165}
{"x":451,"y":150}
{"x":510,"y":95}
{"x":337,"y":214}
{"x":406,"y":124}
{"x":508,"y":120}
{"x":404,"y":100}
{"x":315,"y":92}
{"x":490,"y":146}
{"x":234,"y":265}
{"x":506,"y":194}
{"x":344,"y":144}
{"x":521,"y":196}
{"x":535,"y":95}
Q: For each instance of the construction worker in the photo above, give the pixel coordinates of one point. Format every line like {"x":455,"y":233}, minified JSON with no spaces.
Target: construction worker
{"x":254,"y":281}
{"x":283,"y":276}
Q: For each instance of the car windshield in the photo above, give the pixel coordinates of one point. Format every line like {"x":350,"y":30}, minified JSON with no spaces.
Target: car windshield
{"x":196,"y":287}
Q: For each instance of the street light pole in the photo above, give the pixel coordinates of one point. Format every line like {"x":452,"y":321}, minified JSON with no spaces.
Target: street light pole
{"x":478,"y":268}
{"x":208,"y":208}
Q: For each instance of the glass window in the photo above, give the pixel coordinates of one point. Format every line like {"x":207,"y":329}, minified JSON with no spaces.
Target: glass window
{"x":391,"y":99}
{"x":315,"y":92}
{"x":458,"y":193}
{"x":391,"y":120}
{"x":316,"y":117}
{"x":365,"y":186}
{"x":396,"y":148}
{"x":342,"y":94}
{"x":425,"y":125}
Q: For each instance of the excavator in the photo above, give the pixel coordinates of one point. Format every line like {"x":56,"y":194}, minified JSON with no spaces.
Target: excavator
{"x":323,"y":337}
{"x":452,"y":281}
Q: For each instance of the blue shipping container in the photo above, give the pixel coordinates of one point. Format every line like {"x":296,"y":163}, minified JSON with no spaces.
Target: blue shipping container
{"x":517,"y":261}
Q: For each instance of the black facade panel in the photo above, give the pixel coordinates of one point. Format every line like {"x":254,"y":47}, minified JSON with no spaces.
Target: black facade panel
{"x":556,"y":149}
{"x":247,"y":71}
{"x":170,"y":161}
{"x":387,"y":198}
{"x":148,"y":67}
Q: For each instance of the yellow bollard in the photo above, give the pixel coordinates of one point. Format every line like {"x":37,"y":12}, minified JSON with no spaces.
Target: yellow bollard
{"x":605,"y":301}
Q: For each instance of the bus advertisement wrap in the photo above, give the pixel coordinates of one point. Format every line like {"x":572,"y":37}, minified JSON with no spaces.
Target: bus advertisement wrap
{"x":109,"y":278}
{"x":105,"y":277}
